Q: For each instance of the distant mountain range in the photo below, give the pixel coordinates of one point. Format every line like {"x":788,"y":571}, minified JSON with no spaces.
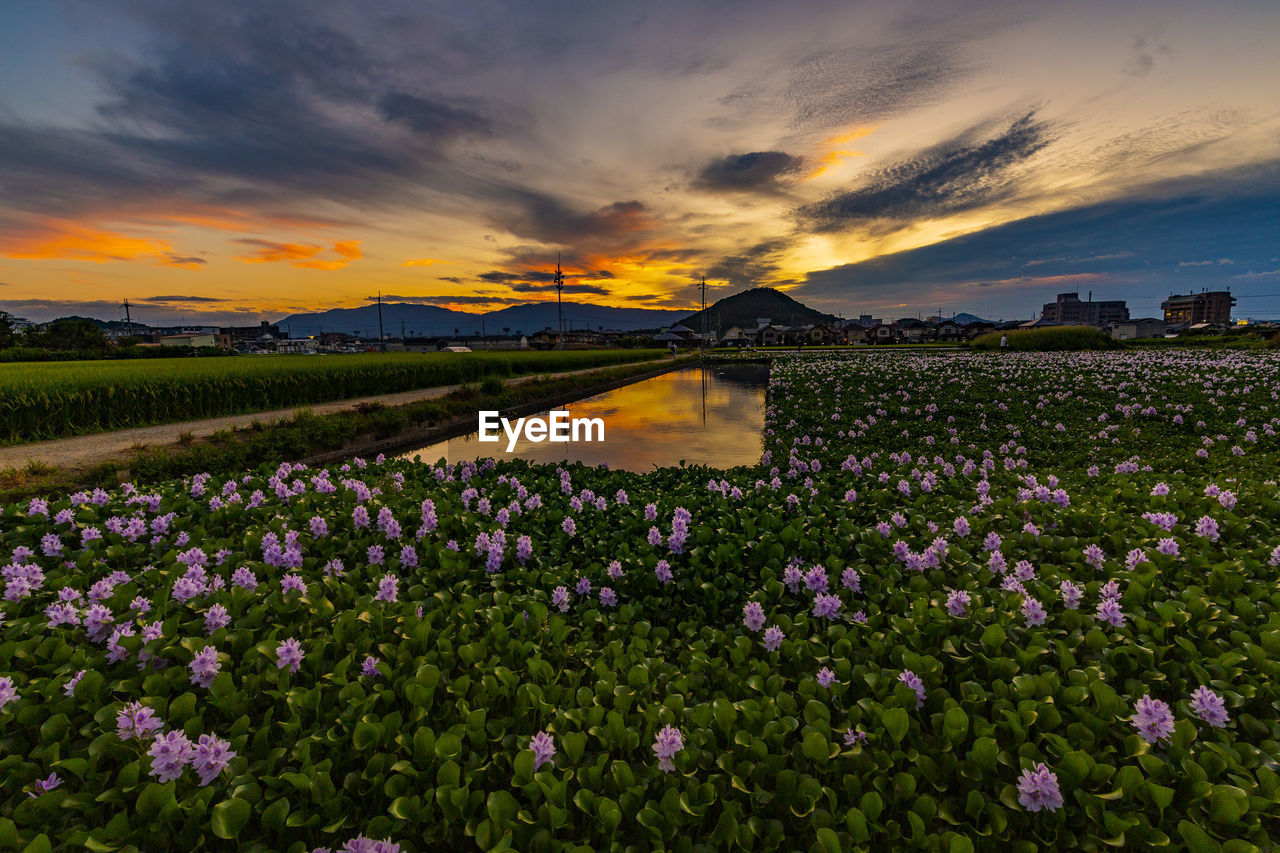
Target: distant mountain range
{"x":745,"y":308}
{"x":431,"y":320}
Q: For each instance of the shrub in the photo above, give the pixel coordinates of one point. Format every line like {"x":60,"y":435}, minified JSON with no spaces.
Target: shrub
{"x":1049,"y":339}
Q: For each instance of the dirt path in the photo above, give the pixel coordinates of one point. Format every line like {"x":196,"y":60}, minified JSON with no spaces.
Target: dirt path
{"x":83,"y":451}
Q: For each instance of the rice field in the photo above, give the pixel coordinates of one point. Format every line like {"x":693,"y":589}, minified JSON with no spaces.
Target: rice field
{"x":56,"y":399}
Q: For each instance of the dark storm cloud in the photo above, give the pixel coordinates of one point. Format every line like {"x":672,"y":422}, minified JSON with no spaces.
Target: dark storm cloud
{"x":750,"y":266}
{"x":180,"y":299}
{"x":545,"y":218}
{"x":456,"y":300}
{"x":1127,"y":246}
{"x":959,"y":174}
{"x":757,"y":171}
{"x":432,"y":118}
{"x":532,"y":287}
{"x":232,"y":107}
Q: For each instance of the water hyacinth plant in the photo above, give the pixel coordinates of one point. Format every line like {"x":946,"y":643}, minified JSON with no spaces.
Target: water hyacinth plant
{"x":451,"y":666}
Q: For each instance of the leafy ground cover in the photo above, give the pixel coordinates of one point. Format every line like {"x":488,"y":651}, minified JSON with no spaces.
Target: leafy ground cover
{"x":54,"y":399}
{"x":966,"y":601}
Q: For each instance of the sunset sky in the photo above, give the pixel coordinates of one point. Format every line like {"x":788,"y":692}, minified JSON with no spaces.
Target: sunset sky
{"x":236,"y":161}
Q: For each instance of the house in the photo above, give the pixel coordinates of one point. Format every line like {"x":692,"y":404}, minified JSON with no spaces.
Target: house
{"x":913,"y":331}
{"x":820,"y":335}
{"x":773,"y":336}
{"x":1147,"y":327}
{"x":883,"y":333}
{"x":973,"y":330}
{"x":196,"y":339}
{"x":296,"y":346}
{"x":948,"y":330}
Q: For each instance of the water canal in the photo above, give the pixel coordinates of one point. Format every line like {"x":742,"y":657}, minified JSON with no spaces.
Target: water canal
{"x":711,"y":415}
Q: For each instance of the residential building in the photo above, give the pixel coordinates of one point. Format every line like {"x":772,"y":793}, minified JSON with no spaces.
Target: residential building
{"x":948,"y":330}
{"x":196,"y":339}
{"x":1146,"y":327}
{"x":1067,"y":309}
{"x":1212,"y":306}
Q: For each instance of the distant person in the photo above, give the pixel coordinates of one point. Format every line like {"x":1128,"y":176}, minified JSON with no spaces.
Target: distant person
{"x":673,"y":349}
{"x":1004,"y":341}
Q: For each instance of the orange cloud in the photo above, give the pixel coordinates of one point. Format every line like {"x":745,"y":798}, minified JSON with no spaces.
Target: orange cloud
{"x":302,"y":255}
{"x":422,"y":262}
{"x":349,"y":249}
{"x":833,"y":153}
{"x":61,"y":240}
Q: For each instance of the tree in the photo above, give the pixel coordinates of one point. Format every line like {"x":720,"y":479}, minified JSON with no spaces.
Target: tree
{"x":7,"y":335}
{"x":77,"y":335}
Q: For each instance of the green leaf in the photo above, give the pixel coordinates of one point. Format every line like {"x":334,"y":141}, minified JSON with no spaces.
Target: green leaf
{"x":1196,"y":839}
{"x":275,"y":815}
{"x":365,"y":736}
{"x":501,"y":808}
{"x":829,"y":841}
{"x":815,"y":746}
{"x":984,"y":752}
{"x":1160,"y":795}
{"x":229,"y":817}
{"x":896,"y":722}
{"x":993,"y":637}
{"x":955,"y":724}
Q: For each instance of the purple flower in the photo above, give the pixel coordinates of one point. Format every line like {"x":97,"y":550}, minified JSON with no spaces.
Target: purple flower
{"x":289,"y":654}
{"x":663,"y":571}
{"x":370,"y":666}
{"x":815,"y":580}
{"x":1038,"y":789}
{"x":1070,"y":595}
{"x":1109,"y":611}
{"x":560,"y":598}
{"x":913,"y":681}
{"x":957,"y":601}
{"x":615,"y":569}
{"x":136,"y":720}
{"x":205,"y":667}
{"x":1033,"y":611}
{"x":1094,"y":556}
{"x":753,"y":616}
{"x":170,"y":754}
{"x":569,"y":526}
{"x":1209,"y":707}
{"x":46,"y":785}
{"x":826,"y":677}
{"x":524,"y":549}
{"x":1168,"y":547}
{"x":544,"y":749}
{"x":388,"y":588}
{"x":70,"y":687}
{"x":244,"y":578}
{"x":666,"y":744}
{"x":7,"y":691}
{"x":1153,"y":719}
{"x":853,"y":738}
{"x":1208,"y":528}
{"x":773,"y":637}
{"x":212,"y":755}
{"x":608,"y":597}
{"x":826,"y":605}
{"x":1110,"y":589}
{"x":851,"y":580}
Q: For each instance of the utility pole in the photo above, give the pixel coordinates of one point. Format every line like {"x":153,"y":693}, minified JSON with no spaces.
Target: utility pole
{"x":558,"y":281}
{"x":127,"y":319}
{"x":382,"y":338}
{"x":703,"y":288}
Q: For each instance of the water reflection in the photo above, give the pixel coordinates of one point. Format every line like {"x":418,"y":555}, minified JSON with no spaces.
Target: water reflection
{"x":704,"y":416}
